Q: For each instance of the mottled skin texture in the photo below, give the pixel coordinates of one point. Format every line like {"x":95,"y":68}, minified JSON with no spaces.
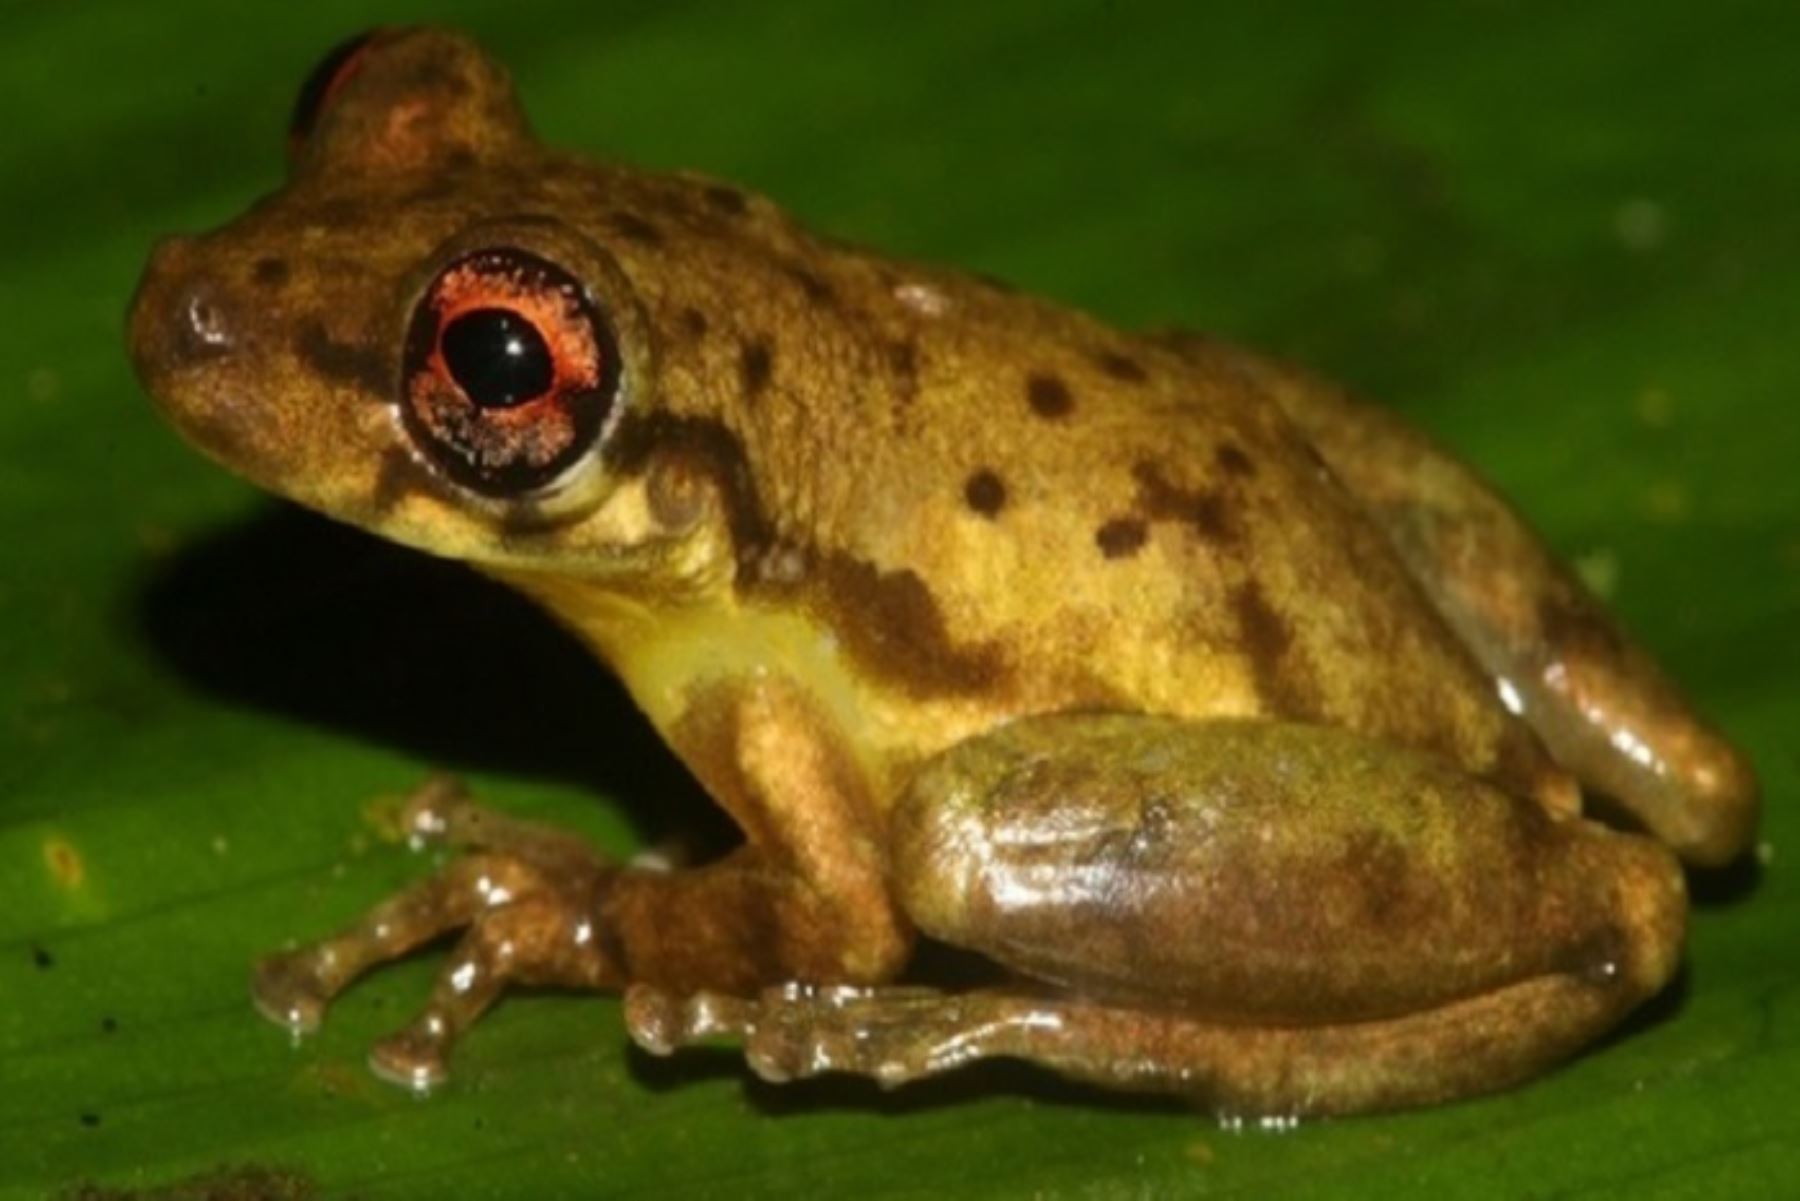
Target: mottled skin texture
{"x":853,"y":533}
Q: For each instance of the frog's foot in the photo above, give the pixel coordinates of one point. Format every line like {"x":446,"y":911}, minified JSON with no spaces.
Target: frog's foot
{"x":895,"y":1035}
{"x":892,"y":1034}
{"x":526,"y":897}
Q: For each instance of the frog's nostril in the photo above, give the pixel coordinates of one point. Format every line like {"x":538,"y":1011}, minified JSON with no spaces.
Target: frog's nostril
{"x":203,"y":324}
{"x":181,"y":316}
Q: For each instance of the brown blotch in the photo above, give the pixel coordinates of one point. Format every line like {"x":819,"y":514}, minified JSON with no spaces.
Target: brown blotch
{"x":888,"y":621}
{"x":1207,"y":512}
{"x":693,"y":323}
{"x":1048,"y":395}
{"x":635,"y":227}
{"x":985,"y":492}
{"x":891,"y":624}
{"x":903,"y":361}
{"x":756,"y":364}
{"x":1282,"y":682}
{"x":1121,"y":537}
{"x":1121,"y":366}
{"x":346,"y":362}
{"x":270,"y":272}
{"x":817,"y":290}
{"x":1233,"y":461}
{"x":727,"y":200}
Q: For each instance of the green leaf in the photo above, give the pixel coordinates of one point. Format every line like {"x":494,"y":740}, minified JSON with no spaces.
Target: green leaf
{"x":1564,"y":238}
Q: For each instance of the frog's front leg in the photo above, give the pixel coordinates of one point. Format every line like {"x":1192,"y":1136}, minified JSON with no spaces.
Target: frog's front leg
{"x":804,"y":899}
{"x":1278,"y":919}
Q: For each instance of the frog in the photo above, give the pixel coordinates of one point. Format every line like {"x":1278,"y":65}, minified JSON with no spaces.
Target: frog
{"x":1250,"y":744}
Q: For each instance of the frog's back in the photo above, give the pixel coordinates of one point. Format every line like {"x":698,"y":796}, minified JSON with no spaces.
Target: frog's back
{"x":1000,"y":506}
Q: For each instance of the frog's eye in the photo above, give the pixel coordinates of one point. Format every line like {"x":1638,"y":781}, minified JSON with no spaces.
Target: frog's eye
{"x":511,"y":372}
{"x":322,"y":85}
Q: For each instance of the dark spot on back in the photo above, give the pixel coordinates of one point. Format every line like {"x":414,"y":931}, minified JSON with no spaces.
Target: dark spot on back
{"x":1233,"y":461}
{"x":635,"y":228}
{"x":727,"y":200}
{"x":985,"y":492}
{"x":890,"y":623}
{"x":995,"y":282}
{"x":1121,"y":366}
{"x":345,"y":362}
{"x":903,"y":361}
{"x":42,"y":959}
{"x":1266,"y":633}
{"x":816,"y":289}
{"x":1048,"y":395}
{"x":109,"y":1024}
{"x":1120,"y":537}
{"x":1207,"y":512}
{"x":693,"y":323}
{"x":1282,"y":681}
{"x":90,"y":1119}
{"x":270,"y":272}
{"x":756,"y":363}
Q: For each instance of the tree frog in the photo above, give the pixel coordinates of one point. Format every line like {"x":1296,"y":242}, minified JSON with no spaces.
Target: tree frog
{"x":1242,"y":731}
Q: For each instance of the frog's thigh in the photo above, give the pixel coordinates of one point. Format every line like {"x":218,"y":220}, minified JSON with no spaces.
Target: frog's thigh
{"x":1598,"y":701}
{"x":1291,"y":914}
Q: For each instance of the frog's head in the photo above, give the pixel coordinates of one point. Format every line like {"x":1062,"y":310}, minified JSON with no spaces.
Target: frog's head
{"x":408,"y":338}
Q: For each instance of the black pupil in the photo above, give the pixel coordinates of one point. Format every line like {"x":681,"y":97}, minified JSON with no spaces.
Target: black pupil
{"x":497,"y":358}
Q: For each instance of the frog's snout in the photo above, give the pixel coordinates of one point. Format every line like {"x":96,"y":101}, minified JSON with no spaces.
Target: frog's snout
{"x":180,"y":317}
{"x":192,"y":346}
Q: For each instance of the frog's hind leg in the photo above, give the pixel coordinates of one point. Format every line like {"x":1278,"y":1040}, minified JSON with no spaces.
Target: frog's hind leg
{"x":524,"y":896}
{"x":894,"y":1035}
{"x":1598,"y":701}
{"x":1277,"y":919}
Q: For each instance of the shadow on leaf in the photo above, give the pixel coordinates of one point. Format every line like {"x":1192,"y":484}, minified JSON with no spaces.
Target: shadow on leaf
{"x":297,"y":615}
